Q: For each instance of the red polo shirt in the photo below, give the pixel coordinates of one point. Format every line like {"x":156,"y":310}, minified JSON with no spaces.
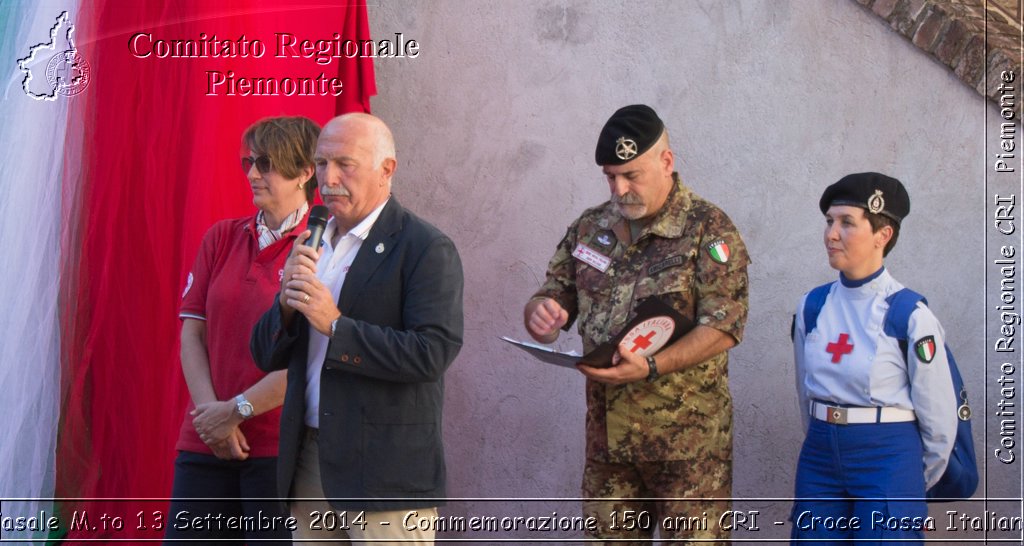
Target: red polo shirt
{"x":231,"y":285}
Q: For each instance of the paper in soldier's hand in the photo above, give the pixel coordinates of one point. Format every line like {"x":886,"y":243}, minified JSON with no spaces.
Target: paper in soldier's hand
{"x":547,"y":354}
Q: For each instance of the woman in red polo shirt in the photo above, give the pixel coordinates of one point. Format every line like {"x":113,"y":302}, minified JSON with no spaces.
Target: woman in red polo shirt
{"x":227,"y":447}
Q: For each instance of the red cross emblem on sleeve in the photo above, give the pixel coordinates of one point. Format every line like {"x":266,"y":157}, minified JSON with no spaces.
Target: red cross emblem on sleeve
{"x":642,"y":342}
{"x":839,"y":348}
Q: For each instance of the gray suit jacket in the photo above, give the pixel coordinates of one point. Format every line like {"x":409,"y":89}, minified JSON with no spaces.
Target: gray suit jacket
{"x":382,"y":383}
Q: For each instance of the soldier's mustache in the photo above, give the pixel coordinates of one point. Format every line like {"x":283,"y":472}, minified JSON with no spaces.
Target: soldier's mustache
{"x":628,"y":199}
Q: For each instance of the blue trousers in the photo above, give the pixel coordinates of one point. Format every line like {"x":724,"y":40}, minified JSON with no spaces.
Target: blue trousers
{"x":862,"y":481}
{"x":239,"y":488}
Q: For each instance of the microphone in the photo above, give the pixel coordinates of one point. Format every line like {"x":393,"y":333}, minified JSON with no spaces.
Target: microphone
{"x":317,"y":224}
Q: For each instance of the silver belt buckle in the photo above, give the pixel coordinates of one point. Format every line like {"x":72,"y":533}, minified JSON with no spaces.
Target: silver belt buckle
{"x":836,"y":415}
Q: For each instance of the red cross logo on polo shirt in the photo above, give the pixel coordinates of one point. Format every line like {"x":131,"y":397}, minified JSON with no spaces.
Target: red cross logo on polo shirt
{"x":642,"y":342}
{"x":839,"y":348}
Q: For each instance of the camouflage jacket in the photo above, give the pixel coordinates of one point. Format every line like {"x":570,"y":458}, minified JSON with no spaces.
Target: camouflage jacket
{"x":692,"y":257}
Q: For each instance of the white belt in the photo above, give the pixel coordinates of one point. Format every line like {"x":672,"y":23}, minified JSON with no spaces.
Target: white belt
{"x":849,"y":416}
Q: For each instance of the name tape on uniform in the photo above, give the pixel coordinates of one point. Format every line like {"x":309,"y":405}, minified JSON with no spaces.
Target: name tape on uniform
{"x":591,"y":257}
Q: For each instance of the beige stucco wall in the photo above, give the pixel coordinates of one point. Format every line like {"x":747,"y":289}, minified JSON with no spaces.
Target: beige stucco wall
{"x":767,"y":103}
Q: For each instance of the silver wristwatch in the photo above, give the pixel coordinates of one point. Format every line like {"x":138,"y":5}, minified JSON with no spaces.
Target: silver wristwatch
{"x":243,"y":406}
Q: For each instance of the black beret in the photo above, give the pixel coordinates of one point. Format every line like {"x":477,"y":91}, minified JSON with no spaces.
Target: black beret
{"x":630,"y":132}
{"x":874,"y":192}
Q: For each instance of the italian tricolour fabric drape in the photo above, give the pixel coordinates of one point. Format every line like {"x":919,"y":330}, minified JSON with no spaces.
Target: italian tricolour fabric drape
{"x":33,"y":159}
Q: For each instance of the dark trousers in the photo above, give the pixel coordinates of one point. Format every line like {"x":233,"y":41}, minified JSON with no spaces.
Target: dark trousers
{"x":863,"y":481}
{"x":243,"y":501}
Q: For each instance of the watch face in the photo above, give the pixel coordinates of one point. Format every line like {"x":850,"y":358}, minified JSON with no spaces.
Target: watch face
{"x":245,"y":409}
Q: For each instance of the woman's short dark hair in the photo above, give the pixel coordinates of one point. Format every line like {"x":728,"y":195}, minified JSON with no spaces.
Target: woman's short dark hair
{"x":289,"y":142}
{"x":879,"y":221}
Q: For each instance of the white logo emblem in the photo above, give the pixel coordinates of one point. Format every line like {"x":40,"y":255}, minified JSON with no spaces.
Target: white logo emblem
{"x":379,"y":249}
{"x":66,"y":72}
{"x":188,"y":285}
{"x":649,"y":336}
{"x":625,"y":149}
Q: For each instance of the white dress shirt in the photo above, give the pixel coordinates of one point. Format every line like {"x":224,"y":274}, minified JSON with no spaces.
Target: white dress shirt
{"x":331,"y":270}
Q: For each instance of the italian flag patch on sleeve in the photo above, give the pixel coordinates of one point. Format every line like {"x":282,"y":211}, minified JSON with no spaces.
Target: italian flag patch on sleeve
{"x":925,"y":349}
{"x":719,"y":251}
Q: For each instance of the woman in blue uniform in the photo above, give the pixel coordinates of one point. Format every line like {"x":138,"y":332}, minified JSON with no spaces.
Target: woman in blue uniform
{"x":880,"y":422}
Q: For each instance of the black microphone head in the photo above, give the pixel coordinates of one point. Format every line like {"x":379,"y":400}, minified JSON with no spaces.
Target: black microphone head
{"x":316,"y":224}
{"x":318,"y":216}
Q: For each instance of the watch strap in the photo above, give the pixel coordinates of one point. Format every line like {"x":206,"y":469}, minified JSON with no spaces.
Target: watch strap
{"x":652,"y":366}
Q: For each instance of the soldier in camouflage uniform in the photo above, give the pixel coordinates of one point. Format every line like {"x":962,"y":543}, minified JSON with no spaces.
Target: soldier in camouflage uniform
{"x":659,"y":427}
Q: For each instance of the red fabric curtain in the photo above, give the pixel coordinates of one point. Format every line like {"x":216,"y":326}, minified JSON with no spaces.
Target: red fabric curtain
{"x":159,"y":164}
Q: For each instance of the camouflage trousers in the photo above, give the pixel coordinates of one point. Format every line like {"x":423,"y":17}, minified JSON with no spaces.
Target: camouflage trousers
{"x":679,"y":499}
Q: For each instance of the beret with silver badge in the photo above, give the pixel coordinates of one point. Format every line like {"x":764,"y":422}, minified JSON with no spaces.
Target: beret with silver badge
{"x":630,"y":132}
{"x":874,"y":192}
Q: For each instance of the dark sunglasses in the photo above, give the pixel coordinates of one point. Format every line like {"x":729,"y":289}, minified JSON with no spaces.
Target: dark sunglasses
{"x":262,"y":164}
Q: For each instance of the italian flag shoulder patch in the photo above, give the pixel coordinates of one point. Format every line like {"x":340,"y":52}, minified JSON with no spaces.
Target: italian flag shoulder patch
{"x":719,"y":251}
{"x":925,"y":349}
